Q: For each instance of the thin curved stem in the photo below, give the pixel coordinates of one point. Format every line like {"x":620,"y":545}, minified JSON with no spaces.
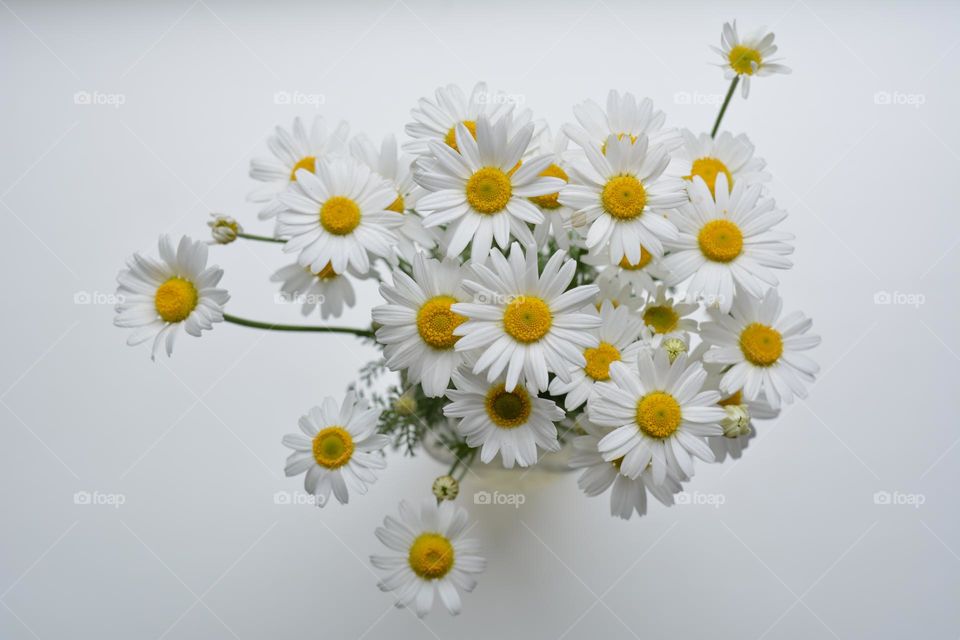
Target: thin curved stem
{"x":723,"y":108}
{"x":271,"y":326}
{"x":251,"y":236}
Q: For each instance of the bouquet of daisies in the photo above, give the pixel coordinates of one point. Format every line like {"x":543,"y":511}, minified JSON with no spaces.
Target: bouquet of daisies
{"x":608,"y":288}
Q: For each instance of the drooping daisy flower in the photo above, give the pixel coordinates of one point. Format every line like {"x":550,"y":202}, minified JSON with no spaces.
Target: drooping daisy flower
{"x":556,"y":216}
{"x":525,"y":320}
{"x":661,"y":415}
{"x":763,"y":349}
{"x":418,"y":323}
{"x":512,"y":423}
{"x":338,"y":449}
{"x":617,"y":333}
{"x":339,"y":215}
{"x":727,"y":242}
{"x":727,"y":155}
{"x":599,"y":475}
{"x":411,"y":236}
{"x":327,"y":290}
{"x":157,"y":297}
{"x":621,"y":195}
{"x":748,"y":56}
{"x":480,"y":193}
{"x":293,"y":150}
{"x":433,"y":556}
{"x":625,"y":117}
{"x":667,"y":317}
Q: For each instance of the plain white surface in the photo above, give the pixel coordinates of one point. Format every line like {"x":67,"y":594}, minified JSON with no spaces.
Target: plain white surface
{"x":199,"y":549}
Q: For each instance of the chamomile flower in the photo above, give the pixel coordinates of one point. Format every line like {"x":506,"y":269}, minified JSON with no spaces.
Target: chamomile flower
{"x":660,"y":413}
{"x":748,"y":56}
{"x":625,"y":117}
{"x":727,"y":242}
{"x":293,"y":150}
{"x":667,"y":318}
{"x":556,"y":216}
{"x":599,"y":475}
{"x":418,"y":323}
{"x":395,"y":169}
{"x":338,"y":215}
{"x":727,"y":155}
{"x":763,"y":349}
{"x":326,"y":291}
{"x":433,"y":556}
{"x":525,"y":320}
{"x":621,"y":195}
{"x":617,"y":333}
{"x":615,"y":292}
{"x":338,"y":450}
{"x":157,"y":297}
{"x":512,"y":423}
{"x":479,"y":192}
{"x":641,"y":277}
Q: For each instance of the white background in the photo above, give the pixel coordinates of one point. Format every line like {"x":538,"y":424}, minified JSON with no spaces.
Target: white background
{"x":799,"y":549}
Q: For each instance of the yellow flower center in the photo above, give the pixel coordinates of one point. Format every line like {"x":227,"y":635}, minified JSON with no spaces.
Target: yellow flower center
{"x":327,"y":273}
{"x":761,"y":345}
{"x":720,"y":240}
{"x":624,"y":197}
{"x":397,"y":205}
{"x":489,"y":190}
{"x":436,"y":322}
{"x":339,"y":215}
{"x":709,"y":169}
{"x":431,"y":556}
{"x":527,"y":319}
{"x":175,"y":299}
{"x":734,"y":400}
{"x":332,"y":447}
{"x":599,"y":359}
{"x":451,"y":137}
{"x":645,"y":258}
{"x":551,"y":200}
{"x":620,"y":136}
{"x":658,"y":414}
{"x":663,"y":319}
{"x":508,"y":409}
{"x":741,"y":58}
{"x":309,"y":163}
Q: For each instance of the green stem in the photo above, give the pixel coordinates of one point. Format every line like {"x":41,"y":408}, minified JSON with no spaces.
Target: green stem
{"x":251,"y":236}
{"x":272,"y":326}
{"x":723,"y":108}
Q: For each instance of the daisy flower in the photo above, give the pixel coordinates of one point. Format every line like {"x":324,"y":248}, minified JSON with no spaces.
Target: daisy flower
{"x":159,"y":296}
{"x":293,"y":150}
{"x":418,"y":323}
{"x":326,"y":291}
{"x":622,"y":195}
{"x":338,"y":450}
{"x":617,"y":333}
{"x":525,"y":320}
{"x":727,"y":155}
{"x":480,"y":193}
{"x":727,"y":242}
{"x":748,"y":56}
{"x":763,"y":349}
{"x":395,"y":169}
{"x":511,"y":423}
{"x":556,"y":216}
{"x":616,"y":292}
{"x":338,"y":215}
{"x":625,"y":117}
{"x":599,"y":475}
{"x":667,"y":318}
{"x":433,"y":556}
{"x":661,"y":415}
{"x":641,"y":277}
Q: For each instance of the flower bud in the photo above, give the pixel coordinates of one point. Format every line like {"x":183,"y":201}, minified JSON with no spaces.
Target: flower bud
{"x":737,"y":422}
{"x":224,"y":228}
{"x":446,"y":488}
{"x":674,"y":347}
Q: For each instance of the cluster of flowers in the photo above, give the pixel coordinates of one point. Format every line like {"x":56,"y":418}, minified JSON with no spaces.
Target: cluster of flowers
{"x":615,"y":278}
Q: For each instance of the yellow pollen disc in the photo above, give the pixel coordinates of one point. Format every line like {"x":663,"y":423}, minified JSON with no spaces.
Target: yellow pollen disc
{"x":662,"y":319}
{"x":551,"y":200}
{"x":720,"y":240}
{"x":527,"y":319}
{"x":658,"y":414}
{"x":735,"y":399}
{"x":599,"y":359}
{"x":451,"y":137}
{"x":175,"y":300}
{"x":645,"y":258}
{"x":620,"y":136}
{"x":431,"y":556}
{"x":339,"y":215}
{"x":489,"y":190}
{"x":709,"y":169}
{"x":309,"y":163}
{"x":327,"y":273}
{"x":624,"y":197}
{"x":397,"y":205}
{"x":761,"y":345}
{"x":741,"y":58}
{"x":508,"y":409}
{"x":332,"y":447}
{"x":436,"y":322}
